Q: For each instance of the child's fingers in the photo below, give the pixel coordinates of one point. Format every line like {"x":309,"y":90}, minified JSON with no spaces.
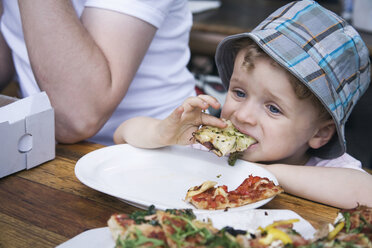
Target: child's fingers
{"x":176,"y":115}
{"x":211,"y":120}
{"x":201,"y":101}
{"x":194,"y":102}
{"x":212,"y":101}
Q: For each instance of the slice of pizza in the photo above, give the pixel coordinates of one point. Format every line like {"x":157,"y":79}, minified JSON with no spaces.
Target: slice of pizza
{"x":180,"y":228}
{"x":119,"y":224}
{"x":223,"y":141}
{"x":183,"y":231}
{"x":352,"y":228}
{"x":127,"y":233}
{"x":139,"y":229}
{"x":252,"y":189}
{"x":358,"y":220}
{"x":206,"y":196}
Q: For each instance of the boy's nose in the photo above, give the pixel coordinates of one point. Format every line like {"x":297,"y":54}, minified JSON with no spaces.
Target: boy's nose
{"x":246,"y":114}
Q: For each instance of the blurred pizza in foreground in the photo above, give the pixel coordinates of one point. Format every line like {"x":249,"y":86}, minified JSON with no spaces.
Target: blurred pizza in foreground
{"x":180,"y":228}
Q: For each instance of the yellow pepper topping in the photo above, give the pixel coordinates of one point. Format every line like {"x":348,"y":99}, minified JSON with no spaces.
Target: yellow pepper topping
{"x":275,"y":234}
{"x":283,"y":222}
{"x":332,"y":234}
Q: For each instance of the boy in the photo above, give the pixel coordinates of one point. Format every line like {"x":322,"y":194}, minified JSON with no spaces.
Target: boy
{"x":292,"y":83}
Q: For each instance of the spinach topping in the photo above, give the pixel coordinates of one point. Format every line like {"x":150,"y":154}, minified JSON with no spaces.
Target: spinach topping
{"x":138,"y":241}
{"x":233,"y":157}
{"x":139,"y":216}
{"x":187,"y":213}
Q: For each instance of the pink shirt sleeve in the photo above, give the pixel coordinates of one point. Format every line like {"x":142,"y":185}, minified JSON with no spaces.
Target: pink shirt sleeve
{"x":344,"y":161}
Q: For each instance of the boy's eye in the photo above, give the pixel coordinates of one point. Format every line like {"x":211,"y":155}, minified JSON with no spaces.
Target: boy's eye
{"x":239,"y":93}
{"x":273,"y":109}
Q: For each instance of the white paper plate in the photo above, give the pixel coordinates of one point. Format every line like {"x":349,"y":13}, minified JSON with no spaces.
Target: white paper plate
{"x":161,"y":177}
{"x":247,"y":220}
{"x":94,"y":238}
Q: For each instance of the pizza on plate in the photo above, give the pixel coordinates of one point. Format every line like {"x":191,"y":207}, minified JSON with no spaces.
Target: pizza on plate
{"x":252,"y":189}
{"x":278,"y":234}
{"x":180,"y":228}
{"x":136,"y":229}
{"x":352,"y":228}
{"x":169,"y":228}
{"x":224,"y":141}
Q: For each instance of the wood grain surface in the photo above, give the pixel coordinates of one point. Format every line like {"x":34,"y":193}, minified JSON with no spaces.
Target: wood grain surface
{"x":47,"y":205}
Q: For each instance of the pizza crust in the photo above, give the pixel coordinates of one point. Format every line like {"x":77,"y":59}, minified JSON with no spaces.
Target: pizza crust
{"x":119,"y":224}
{"x":200,"y":189}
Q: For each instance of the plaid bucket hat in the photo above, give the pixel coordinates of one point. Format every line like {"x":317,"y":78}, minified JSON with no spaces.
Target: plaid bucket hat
{"x":321,"y":50}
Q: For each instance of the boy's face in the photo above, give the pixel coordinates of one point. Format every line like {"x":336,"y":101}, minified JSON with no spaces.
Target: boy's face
{"x":261,"y":103}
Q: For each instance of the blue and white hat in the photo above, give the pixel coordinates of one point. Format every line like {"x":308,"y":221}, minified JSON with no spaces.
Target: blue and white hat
{"x":321,"y":50}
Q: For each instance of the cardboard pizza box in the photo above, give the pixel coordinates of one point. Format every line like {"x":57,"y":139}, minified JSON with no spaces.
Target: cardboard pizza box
{"x":27,"y":136}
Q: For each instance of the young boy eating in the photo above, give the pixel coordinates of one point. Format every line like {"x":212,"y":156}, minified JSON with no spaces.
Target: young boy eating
{"x":292,"y":83}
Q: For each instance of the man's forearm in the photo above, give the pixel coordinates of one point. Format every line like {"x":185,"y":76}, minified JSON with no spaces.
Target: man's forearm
{"x":68,"y":65}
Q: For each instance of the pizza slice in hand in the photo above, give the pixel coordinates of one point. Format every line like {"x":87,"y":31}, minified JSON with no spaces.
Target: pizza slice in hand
{"x":224,"y":141}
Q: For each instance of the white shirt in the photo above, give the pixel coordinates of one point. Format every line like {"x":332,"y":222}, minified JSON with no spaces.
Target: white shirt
{"x":162,"y":81}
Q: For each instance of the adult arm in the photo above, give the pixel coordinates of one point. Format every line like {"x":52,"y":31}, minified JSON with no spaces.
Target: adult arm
{"x":6,"y":61}
{"x":339,"y":187}
{"x":85,"y":66}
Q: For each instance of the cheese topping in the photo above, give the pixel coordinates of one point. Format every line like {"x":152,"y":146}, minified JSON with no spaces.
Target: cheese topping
{"x":220,"y":191}
{"x":227,"y":140}
{"x":201,"y":188}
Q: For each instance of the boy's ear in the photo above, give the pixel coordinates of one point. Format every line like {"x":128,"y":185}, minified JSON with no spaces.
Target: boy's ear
{"x":323,"y":134}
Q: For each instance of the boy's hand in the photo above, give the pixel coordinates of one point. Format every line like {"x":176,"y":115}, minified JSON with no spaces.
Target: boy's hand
{"x":186,"y":119}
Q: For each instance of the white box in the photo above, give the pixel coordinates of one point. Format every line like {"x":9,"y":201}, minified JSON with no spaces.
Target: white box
{"x":27,"y":136}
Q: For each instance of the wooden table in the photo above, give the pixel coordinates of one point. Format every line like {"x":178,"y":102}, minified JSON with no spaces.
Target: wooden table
{"x":48,"y":205}
{"x":239,"y":16}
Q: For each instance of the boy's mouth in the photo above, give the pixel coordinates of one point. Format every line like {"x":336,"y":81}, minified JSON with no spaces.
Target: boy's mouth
{"x":246,"y":133}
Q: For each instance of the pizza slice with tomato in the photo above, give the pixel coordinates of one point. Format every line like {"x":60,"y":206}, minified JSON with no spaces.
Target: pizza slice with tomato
{"x":252,"y":189}
{"x":182,"y":231}
{"x":180,"y":228}
{"x":170,"y":228}
{"x":139,"y":229}
{"x":353,"y":228}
